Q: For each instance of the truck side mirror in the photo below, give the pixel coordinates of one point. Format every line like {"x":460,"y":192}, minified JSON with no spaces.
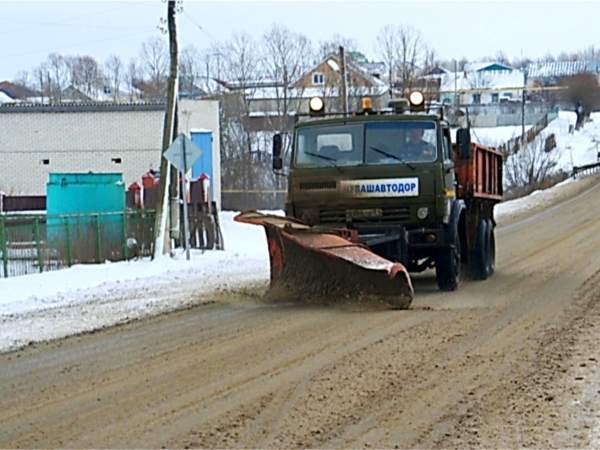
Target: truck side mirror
{"x":463,"y":141}
{"x":277,"y":160}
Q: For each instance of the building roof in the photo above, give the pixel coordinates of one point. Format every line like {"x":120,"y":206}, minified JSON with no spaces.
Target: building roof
{"x":16,"y":91}
{"x":487,"y":66}
{"x":562,"y":68}
{"x":5,"y":98}
{"x":80,"y":107}
{"x":372,"y":68}
{"x":483,"y":80}
{"x":271,"y":93}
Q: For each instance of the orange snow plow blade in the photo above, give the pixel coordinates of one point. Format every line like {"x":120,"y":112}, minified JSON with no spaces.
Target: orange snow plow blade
{"x":328,"y":263}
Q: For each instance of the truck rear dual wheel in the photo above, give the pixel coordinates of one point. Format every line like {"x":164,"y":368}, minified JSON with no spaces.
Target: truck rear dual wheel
{"x":447,"y":266}
{"x":479,"y":256}
{"x":491,"y":253}
{"x":482,"y":260}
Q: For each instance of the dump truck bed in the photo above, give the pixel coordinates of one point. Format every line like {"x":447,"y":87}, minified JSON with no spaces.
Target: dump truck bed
{"x":480,"y":176}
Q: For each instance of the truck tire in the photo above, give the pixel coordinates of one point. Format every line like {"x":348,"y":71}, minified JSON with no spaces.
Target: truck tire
{"x":479,"y":261}
{"x":447,"y":266}
{"x":491,"y":253}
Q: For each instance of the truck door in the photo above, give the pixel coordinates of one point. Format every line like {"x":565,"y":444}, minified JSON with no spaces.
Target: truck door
{"x":448,"y":160}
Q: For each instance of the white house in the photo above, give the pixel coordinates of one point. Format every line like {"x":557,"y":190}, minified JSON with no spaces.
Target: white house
{"x":483,"y":84}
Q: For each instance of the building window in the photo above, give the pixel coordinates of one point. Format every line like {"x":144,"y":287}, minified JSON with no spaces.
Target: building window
{"x":45,"y":162}
{"x":107,"y":90}
{"x":116,"y":160}
{"x":318,"y":78}
{"x":495,"y":97}
{"x":348,"y":78}
{"x":476,"y":99}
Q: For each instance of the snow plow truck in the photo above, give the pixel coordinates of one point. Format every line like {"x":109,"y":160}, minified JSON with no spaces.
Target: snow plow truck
{"x":376,"y":195}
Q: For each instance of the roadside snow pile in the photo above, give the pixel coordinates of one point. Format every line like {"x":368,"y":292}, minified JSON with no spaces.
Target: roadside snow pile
{"x":575,"y":149}
{"x":52,"y":305}
{"x":494,"y":137}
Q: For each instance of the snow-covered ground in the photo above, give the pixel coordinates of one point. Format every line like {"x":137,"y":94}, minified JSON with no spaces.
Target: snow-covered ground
{"x":56,"y":304}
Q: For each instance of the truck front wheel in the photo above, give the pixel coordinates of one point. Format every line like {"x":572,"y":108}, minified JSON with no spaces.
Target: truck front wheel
{"x":447,"y":266}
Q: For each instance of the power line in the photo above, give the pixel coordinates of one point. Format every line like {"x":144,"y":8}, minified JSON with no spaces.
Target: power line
{"x":62,"y":25}
{"x":67,"y":19}
{"x":191,"y":19}
{"x":76,"y":45}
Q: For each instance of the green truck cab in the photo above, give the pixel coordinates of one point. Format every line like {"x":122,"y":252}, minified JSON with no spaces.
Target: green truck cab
{"x":396,"y":178}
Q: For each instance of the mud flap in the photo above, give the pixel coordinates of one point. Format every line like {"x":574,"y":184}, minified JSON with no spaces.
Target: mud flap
{"x":328,"y":263}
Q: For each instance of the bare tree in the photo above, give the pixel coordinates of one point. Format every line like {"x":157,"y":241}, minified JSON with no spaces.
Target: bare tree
{"x":190,"y":71}
{"x":241,"y":67}
{"x":332,"y":46}
{"x":214,"y":61}
{"x":114,"y":71}
{"x":530,"y":168}
{"x":564,"y":56}
{"x":582,"y":93}
{"x":286,"y":54}
{"x":401,"y":48}
{"x":84,"y":74}
{"x":386,"y":48}
{"x":410,"y":51}
{"x":133,"y":77}
{"x":591,"y":53}
{"x":41,"y":81}
{"x":24,"y":78}
{"x":521,"y":63}
{"x":154,"y":58}
{"x":501,"y":58}
{"x":57,"y":76}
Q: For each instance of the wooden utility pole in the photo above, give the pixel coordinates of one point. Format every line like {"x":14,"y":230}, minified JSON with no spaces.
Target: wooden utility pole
{"x":344,"y":89}
{"x":168,"y":174}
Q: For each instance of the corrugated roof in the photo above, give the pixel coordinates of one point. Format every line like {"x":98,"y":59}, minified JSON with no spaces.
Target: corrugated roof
{"x":562,"y":68}
{"x":79,"y":107}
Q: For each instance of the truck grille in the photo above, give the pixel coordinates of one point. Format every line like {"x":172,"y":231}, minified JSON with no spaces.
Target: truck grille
{"x":389,"y":215}
{"x":317,"y":185}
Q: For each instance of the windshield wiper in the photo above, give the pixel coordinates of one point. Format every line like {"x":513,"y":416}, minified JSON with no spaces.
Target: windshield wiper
{"x":326,"y":158}
{"x":389,"y":155}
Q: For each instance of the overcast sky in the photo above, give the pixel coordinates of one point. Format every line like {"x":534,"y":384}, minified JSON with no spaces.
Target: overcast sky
{"x":29,"y":31}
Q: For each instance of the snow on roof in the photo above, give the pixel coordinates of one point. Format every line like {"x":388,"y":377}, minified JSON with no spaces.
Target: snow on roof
{"x":562,"y":68}
{"x":273,"y":93}
{"x":483,"y":80}
{"x":5,"y":98}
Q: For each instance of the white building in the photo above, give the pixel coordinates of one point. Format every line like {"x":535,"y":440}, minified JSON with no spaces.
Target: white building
{"x":483,"y":84}
{"x":36,"y":140}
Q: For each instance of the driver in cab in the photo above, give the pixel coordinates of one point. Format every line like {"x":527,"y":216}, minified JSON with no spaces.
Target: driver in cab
{"x":417,"y":148}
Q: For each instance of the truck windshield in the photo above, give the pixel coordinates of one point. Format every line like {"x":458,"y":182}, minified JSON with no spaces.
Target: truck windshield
{"x":381,"y":142}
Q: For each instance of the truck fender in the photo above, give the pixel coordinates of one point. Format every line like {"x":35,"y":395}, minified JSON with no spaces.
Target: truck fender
{"x":456,"y":222}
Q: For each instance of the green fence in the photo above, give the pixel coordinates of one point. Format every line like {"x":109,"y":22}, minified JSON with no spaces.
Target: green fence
{"x":40,"y":243}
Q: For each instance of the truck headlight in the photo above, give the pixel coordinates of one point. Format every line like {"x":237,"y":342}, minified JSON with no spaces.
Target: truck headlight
{"x":422,"y":212}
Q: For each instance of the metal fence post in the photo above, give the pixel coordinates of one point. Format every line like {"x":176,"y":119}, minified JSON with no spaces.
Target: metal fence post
{"x":98,"y":239}
{"x":68,"y":233}
{"x":38,"y":244}
{"x":125,"y":255}
{"x":4,"y":246}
